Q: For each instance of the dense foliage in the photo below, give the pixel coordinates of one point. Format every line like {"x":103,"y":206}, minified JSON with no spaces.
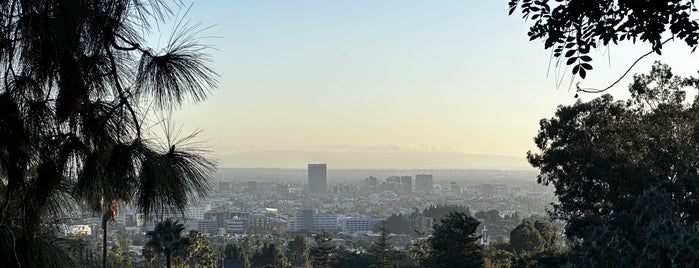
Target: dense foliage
{"x":534,"y":237}
{"x":78,"y":83}
{"x":454,"y":242}
{"x":626,"y":173}
{"x":603,"y":154}
{"x":321,"y":253}
{"x":655,"y":237}
{"x":382,"y":251}
{"x":297,"y":251}
{"x":166,"y":238}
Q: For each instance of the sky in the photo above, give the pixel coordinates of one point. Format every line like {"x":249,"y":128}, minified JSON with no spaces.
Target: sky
{"x":385,"y":84}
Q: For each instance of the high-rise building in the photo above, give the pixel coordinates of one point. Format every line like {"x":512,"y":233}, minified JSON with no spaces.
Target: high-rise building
{"x":224,"y":186}
{"x":423,"y":183}
{"x":305,"y":218}
{"x":371,"y":181}
{"x":454,"y":188}
{"x":317,"y":180}
{"x":406,"y":183}
{"x":309,"y":220}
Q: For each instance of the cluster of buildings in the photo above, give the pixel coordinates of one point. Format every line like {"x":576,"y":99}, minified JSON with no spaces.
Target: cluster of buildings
{"x":248,"y":205}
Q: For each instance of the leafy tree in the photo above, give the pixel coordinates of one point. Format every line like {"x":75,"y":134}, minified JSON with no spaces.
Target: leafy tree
{"x":526,"y":238}
{"x":166,"y":238}
{"x":297,"y":251}
{"x":199,"y":251}
{"x":574,"y":28}
{"x":118,"y":258}
{"x":454,"y":242}
{"x":344,"y":258}
{"x":382,"y":251}
{"x":78,"y":83}
{"x":397,"y":224}
{"x":499,"y":258}
{"x":250,"y":245}
{"x":270,"y":255}
{"x":647,"y":141}
{"x":321,"y":254}
{"x":419,"y":253}
{"x":656,"y":239}
{"x":233,"y":251}
{"x":549,"y":235}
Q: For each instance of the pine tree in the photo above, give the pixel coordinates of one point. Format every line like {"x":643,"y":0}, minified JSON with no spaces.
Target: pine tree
{"x":382,"y":251}
{"x":322,"y":253}
{"x":79,"y":80}
{"x":297,"y":251}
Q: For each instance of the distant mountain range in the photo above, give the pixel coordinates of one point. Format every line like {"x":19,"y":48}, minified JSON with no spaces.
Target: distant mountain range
{"x":373,"y":160}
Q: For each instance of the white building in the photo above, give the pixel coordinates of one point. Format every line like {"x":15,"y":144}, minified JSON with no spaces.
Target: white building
{"x":77,"y":230}
{"x":325,"y":222}
{"x":361,"y":224}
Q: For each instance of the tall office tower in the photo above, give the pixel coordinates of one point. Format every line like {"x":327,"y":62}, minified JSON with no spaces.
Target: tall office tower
{"x":224,"y":186}
{"x":317,"y":180}
{"x":406,"y":183}
{"x":423,"y":183}
{"x":371,"y":181}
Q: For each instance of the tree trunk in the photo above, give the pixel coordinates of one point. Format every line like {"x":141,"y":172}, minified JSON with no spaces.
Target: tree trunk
{"x":167,"y":261}
{"x":104,"y":243}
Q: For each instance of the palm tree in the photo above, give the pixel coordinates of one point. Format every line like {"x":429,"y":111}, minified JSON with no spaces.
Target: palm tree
{"x":77,"y":82}
{"x":166,"y":238}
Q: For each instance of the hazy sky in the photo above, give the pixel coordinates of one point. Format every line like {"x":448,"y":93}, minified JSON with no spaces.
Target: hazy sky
{"x":309,"y":81}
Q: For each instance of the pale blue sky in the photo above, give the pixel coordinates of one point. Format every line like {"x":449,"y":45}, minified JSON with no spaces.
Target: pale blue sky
{"x":376,"y":76}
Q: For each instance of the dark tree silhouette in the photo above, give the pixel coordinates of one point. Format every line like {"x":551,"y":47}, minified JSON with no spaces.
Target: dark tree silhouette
{"x":526,"y":238}
{"x":78,"y":81}
{"x":381,"y":252}
{"x":656,"y":239}
{"x":321,"y":254}
{"x":236,"y":252}
{"x":601,"y":155}
{"x":166,"y":238}
{"x":269,"y":256}
{"x":297,"y":251}
{"x":574,"y":28}
{"x":454,"y":242}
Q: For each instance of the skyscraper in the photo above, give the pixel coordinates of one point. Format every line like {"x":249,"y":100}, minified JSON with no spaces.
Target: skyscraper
{"x":317,"y":180}
{"x":423,"y":183}
{"x":406,"y":183}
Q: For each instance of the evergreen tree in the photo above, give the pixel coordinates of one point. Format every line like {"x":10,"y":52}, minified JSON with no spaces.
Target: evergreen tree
{"x":343,"y":258}
{"x":297,"y":251}
{"x":321,"y":254}
{"x":79,"y":82}
{"x":381,"y":252}
{"x":454,"y":242}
